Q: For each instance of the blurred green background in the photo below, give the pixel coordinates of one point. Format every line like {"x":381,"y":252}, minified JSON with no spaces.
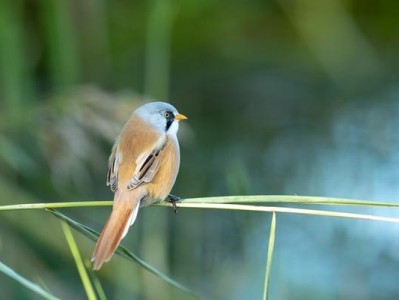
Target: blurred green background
{"x":283,"y":97}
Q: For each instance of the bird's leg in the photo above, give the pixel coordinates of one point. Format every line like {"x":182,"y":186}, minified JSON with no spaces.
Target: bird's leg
{"x":173,"y":199}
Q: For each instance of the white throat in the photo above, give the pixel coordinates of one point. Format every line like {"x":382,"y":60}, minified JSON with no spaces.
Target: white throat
{"x":173,"y":128}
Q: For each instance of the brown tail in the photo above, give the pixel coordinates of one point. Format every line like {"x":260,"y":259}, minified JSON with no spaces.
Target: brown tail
{"x":124,"y":212}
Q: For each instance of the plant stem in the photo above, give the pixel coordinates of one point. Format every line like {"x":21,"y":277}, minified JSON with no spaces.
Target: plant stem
{"x":272,"y":237}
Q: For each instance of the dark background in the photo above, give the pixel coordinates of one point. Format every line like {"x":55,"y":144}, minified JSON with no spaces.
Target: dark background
{"x":283,"y":97}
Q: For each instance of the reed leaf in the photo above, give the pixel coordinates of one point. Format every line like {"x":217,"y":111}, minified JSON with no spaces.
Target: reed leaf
{"x":96,"y":282}
{"x":289,"y":199}
{"x":26,"y":282}
{"x":241,"y":203}
{"x":91,"y":295}
{"x":272,"y":237}
{"x":123,"y":251}
{"x":196,"y":202}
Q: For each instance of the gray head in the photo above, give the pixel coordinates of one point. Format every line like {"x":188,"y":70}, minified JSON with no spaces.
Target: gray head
{"x":161,"y":115}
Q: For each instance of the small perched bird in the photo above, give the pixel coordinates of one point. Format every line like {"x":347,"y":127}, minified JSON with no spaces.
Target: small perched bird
{"x":142,"y":169}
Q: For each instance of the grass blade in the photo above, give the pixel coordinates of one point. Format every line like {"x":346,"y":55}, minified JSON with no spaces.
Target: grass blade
{"x":121,"y":250}
{"x":301,"y":211}
{"x":29,"y":206}
{"x":289,"y":199}
{"x":91,"y":295}
{"x":96,"y":282}
{"x":223,"y":203}
{"x":270,"y":249}
{"x":250,"y":199}
{"x":25,"y":282}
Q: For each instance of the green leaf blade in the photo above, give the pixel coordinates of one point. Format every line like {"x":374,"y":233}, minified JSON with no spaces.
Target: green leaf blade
{"x":272,"y":237}
{"x":26,"y":282}
{"x":123,"y":251}
{"x":91,"y":295}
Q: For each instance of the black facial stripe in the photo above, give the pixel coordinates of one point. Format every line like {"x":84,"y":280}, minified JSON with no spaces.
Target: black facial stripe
{"x":170,"y":117}
{"x":168,"y":124}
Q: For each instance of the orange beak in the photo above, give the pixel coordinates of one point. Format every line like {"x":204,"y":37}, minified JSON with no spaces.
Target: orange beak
{"x":180,"y":117}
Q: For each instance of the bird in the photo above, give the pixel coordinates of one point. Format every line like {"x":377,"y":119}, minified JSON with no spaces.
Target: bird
{"x":142,"y":169}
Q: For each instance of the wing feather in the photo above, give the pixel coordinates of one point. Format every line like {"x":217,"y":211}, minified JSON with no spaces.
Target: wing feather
{"x":113,"y":163}
{"x":135,"y":156}
{"x":146,"y":170}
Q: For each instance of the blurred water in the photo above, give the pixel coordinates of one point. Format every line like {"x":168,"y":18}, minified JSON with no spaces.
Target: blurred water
{"x":352,"y":155}
{"x":332,"y":147}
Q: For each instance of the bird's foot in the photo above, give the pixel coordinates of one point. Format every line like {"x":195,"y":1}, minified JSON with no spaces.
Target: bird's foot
{"x":173,"y":199}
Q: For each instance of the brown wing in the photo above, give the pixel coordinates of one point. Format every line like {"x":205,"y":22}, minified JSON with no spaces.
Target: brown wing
{"x":112,"y":174}
{"x":135,"y":155}
{"x":146,"y":168}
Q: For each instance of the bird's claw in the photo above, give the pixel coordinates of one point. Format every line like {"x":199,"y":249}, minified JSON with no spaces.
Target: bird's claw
{"x":173,"y":199}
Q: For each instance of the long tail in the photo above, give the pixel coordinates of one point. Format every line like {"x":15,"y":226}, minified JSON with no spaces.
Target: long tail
{"x":124,"y":213}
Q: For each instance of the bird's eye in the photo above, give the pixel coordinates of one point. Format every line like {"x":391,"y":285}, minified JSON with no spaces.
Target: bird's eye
{"x":167,"y":114}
